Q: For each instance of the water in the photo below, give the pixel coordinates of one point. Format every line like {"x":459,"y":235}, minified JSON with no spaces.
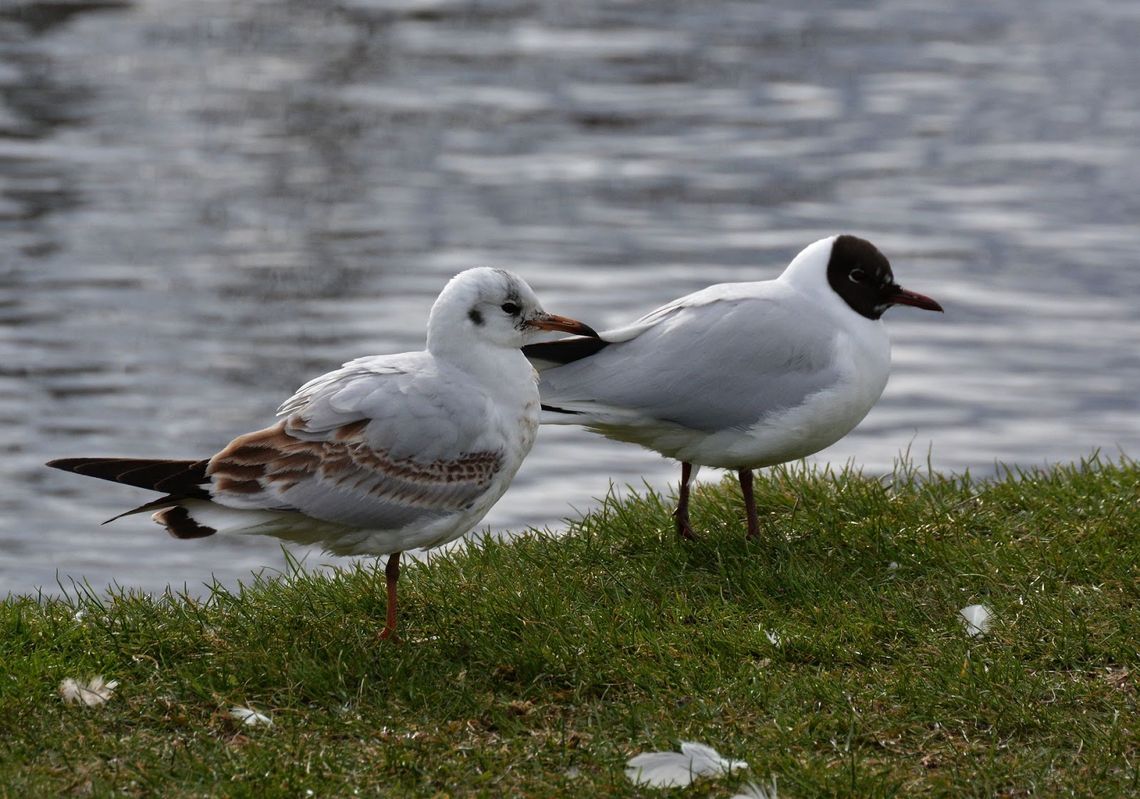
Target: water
{"x":203,"y":203}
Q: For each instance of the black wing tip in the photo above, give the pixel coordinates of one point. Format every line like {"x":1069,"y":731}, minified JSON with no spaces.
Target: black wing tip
{"x":180,"y":524}
{"x":71,"y":464}
{"x":565,"y":350}
{"x":182,"y":477}
{"x":556,"y":409}
{"x":127,"y":464}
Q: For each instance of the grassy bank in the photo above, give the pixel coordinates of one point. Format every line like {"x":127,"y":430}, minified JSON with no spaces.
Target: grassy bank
{"x":829,"y":654}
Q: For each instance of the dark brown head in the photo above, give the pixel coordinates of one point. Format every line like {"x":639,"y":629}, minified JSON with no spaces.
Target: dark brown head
{"x":862,"y":276}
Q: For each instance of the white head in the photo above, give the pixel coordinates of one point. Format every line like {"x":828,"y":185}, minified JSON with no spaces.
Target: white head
{"x":855,"y":270}
{"x":491,"y":306}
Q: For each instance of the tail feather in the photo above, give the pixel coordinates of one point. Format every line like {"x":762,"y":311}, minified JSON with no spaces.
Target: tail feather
{"x":180,"y":479}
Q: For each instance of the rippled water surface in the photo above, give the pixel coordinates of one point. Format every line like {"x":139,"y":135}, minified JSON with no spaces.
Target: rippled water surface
{"x":205,"y":202}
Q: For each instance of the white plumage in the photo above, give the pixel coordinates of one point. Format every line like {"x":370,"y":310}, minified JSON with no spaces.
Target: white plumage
{"x":388,"y":452}
{"x":738,"y":375}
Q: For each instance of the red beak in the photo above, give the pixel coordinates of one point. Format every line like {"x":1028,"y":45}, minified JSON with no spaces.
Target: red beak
{"x":904,"y":297}
{"x":549,"y":321}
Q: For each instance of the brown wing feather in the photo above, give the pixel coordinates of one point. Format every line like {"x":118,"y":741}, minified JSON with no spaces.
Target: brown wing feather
{"x":273,"y":461}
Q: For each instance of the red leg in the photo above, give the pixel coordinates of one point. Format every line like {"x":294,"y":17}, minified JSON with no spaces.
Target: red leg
{"x":391,"y":576}
{"x":681,"y":514}
{"x":745,"y":477}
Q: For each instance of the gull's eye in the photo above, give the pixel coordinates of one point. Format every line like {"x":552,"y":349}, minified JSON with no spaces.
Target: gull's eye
{"x":857,"y":276}
{"x":510,"y":308}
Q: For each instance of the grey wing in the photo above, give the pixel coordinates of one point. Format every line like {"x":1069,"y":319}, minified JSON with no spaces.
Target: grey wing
{"x":381,"y":443}
{"x":720,"y":365}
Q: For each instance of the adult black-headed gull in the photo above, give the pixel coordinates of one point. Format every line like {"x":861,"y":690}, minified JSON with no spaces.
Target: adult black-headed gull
{"x":390,"y":452}
{"x":738,"y":375}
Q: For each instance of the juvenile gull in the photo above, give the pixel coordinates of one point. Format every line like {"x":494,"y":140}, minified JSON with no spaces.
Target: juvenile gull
{"x":387,"y":453}
{"x":738,"y":375}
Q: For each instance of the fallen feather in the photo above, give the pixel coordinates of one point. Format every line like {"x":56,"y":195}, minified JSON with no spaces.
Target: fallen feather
{"x":250,"y":717}
{"x":92,"y":693}
{"x":773,"y":637}
{"x":976,"y":618}
{"x":751,"y":790}
{"x":678,"y":769}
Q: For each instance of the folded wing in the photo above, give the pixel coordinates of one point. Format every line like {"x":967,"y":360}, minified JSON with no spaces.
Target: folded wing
{"x":374,"y":444}
{"x":726,"y":362}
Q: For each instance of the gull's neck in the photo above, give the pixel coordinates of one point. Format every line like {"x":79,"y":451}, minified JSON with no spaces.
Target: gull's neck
{"x":492,"y":364}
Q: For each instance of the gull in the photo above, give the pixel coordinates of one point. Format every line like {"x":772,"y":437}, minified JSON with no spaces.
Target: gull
{"x":738,"y":375}
{"x":387,"y":453}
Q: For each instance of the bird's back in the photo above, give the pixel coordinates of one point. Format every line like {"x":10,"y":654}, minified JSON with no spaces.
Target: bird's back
{"x":718,"y":377}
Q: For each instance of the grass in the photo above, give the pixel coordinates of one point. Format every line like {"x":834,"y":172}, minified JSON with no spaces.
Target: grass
{"x":538,"y":666}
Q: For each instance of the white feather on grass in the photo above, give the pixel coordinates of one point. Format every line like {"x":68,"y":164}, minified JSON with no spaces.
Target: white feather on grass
{"x":977,"y":619}
{"x":752,"y":790}
{"x":92,"y":693}
{"x":250,"y":717}
{"x":678,"y":769}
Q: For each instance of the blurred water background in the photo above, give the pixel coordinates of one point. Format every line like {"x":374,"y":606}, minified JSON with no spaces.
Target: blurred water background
{"x":203,"y":203}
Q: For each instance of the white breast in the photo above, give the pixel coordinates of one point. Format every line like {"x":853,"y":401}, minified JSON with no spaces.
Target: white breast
{"x":512,"y":422}
{"x":863,"y":356}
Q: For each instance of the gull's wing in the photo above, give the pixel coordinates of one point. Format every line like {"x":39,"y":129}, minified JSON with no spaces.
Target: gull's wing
{"x":382,"y":442}
{"x":720,"y":293}
{"x":551,"y":354}
{"x":719,"y":359}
